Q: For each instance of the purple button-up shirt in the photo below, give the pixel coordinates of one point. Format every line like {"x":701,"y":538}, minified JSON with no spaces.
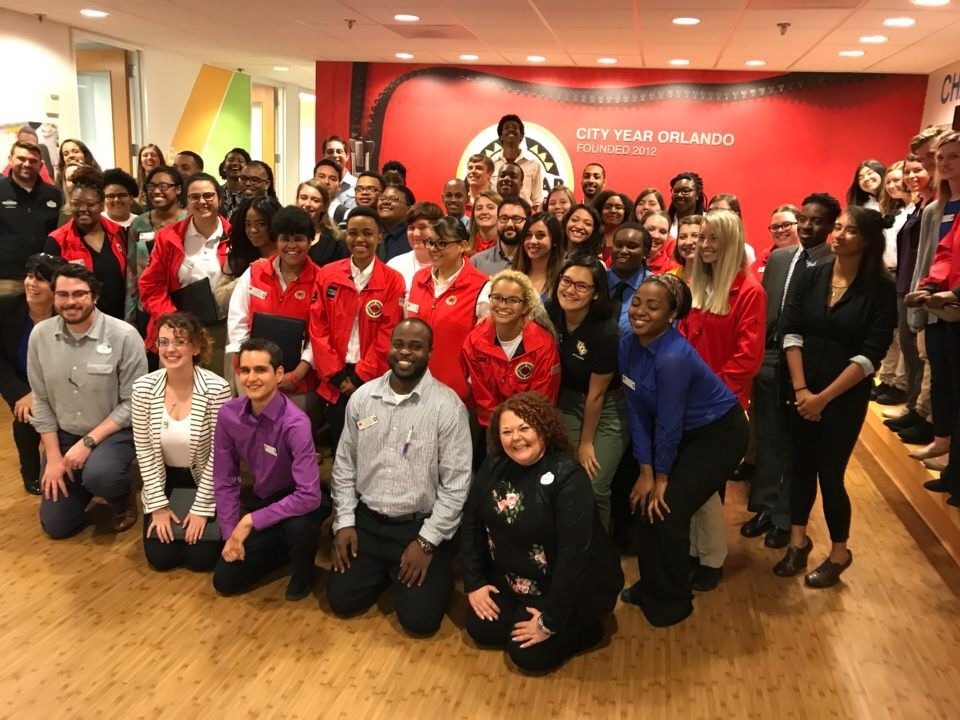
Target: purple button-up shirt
{"x":277,"y":446}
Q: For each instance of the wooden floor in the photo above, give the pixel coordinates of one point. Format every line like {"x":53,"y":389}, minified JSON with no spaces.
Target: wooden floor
{"x":89,"y":632}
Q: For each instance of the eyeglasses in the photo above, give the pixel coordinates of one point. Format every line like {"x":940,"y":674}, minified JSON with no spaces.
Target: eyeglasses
{"x":580,"y":287}
{"x":367,"y":189}
{"x":782,"y":227}
{"x":511,"y":219}
{"x":683,"y":192}
{"x":390,"y":200}
{"x":439,"y":244}
{"x":162,"y":187}
{"x":116,"y":196}
{"x":197,"y":197}
{"x":176,"y":342}
{"x":251,"y":180}
{"x":75,"y":295}
{"x":506,"y":299}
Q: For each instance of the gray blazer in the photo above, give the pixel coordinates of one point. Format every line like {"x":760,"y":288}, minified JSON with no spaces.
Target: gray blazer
{"x":918,"y":318}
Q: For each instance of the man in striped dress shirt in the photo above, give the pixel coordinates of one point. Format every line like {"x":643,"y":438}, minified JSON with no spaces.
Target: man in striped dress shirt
{"x":400,"y":479}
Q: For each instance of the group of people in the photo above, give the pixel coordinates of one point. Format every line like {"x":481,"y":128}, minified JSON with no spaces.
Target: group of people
{"x":517,"y":376}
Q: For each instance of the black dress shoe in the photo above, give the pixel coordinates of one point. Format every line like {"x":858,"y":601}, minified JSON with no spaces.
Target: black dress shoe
{"x":921,"y":434}
{"x":938,"y":485}
{"x":32,"y":487}
{"x":878,"y":390}
{"x":794,"y":561}
{"x":744,"y":471}
{"x":757,"y":525}
{"x":828,"y":574}
{"x":776,"y":538}
{"x":893,"y":396}
{"x":908,"y":419}
{"x":706,"y":578}
{"x":954,"y":500}
{"x":629,"y":596}
{"x":301,"y":585}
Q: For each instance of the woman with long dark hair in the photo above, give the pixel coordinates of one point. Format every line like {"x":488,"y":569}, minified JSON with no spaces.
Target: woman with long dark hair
{"x":230,"y":170}
{"x":541,"y":252}
{"x":867,"y":184}
{"x":686,"y":198}
{"x":614,"y":208}
{"x":583,"y":231}
{"x":149,"y":158}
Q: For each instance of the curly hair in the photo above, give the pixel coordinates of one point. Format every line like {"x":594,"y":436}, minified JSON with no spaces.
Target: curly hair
{"x":187,"y":326}
{"x":535,"y":309}
{"x":535,"y":410}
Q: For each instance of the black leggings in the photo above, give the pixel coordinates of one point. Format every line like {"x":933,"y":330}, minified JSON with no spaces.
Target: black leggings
{"x":821,"y":451}
{"x":943,"y":388}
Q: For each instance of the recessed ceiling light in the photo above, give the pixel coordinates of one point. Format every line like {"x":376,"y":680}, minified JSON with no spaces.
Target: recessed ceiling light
{"x":873,"y":39}
{"x":607,"y":61}
{"x":404,"y":56}
{"x":280,"y":68}
{"x":469,"y":57}
{"x":852,"y":53}
{"x":536,"y":58}
{"x":686,"y":21}
{"x":900,"y":22}
{"x":679,"y":61}
{"x":402,"y":17}
{"x":930,"y":3}
{"x":93,"y":13}
{"x":755,"y":63}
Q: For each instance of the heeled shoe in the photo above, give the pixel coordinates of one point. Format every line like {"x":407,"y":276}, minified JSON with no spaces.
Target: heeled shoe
{"x":927,"y":453}
{"x":794,"y":561}
{"x":827,"y":574}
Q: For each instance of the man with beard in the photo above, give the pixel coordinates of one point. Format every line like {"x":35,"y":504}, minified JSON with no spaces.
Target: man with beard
{"x":400,"y":478}
{"x":455,"y":200}
{"x":770,"y":484}
{"x":592,"y":180}
{"x":511,"y":131}
{"x":81,"y":366}
{"x":511,"y":216}
{"x":510,"y":180}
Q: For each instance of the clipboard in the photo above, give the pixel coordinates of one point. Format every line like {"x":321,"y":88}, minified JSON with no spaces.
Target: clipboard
{"x":197,"y":298}
{"x":181,"y":500}
{"x":286,"y":332}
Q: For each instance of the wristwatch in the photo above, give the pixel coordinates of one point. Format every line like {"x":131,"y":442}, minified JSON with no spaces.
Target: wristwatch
{"x":425,"y":545}
{"x":89,"y":442}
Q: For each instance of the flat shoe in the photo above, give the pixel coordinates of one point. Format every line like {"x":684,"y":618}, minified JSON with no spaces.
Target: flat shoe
{"x":936,"y":463}
{"x":926,"y":454}
{"x":795,"y":561}
{"x":828,"y":574}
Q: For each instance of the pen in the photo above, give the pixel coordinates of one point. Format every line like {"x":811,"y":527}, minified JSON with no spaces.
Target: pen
{"x":406,"y":444}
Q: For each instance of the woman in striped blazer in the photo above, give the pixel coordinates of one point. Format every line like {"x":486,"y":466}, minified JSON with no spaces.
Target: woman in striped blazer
{"x":175,"y":413}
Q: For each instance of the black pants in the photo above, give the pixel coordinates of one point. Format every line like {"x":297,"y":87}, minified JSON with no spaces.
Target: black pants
{"x":951,"y":474}
{"x":944,"y":391}
{"x":623,"y":480}
{"x":770,"y":485}
{"x":821,"y":453}
{"x":199,"y":557}
{"x":706,"y":457}
{"x":27,"y":441}
{"x":909,"y":351}
{"x":381,"y":542}
{"x":578,"y":634}
{"x":106,"y":474}
{"x":294,"y":539}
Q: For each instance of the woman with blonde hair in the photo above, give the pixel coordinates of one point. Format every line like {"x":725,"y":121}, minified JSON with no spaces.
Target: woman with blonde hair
{"x":559,"y":202}
{"x":314,"y":198}
{"x":726,"y":326}
{"x":483,"y":221}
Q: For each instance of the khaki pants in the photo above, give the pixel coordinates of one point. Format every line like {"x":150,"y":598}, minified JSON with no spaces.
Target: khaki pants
{"x":708,"y":534}
{"x":923,"y":401}
{"x":892,"y":372}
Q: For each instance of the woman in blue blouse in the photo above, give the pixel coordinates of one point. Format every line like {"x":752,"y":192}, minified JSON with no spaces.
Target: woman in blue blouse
{"x":688,"y":433}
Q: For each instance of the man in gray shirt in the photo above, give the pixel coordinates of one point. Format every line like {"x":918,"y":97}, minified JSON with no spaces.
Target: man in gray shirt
{"x":81,"y":366}
{"x":400,"y":479}
{"x":512,"y":215}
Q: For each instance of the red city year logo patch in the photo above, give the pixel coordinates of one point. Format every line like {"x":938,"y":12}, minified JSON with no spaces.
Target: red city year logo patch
{"x":524,"y":370}
{"x":374,"y":309}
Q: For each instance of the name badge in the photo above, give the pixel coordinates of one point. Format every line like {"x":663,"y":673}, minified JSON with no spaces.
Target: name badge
{"x":258,"y":293}
{"x":51,"y":203}
{"x":147,"y":236}
{"x":104,"y":348}
{"x":11,"y":204}
{"x":270,"y":449}
{"x":413,"y":307}
{"x":627,"y":382}
{"x":98,"y":369}
{"x":367,"y":422}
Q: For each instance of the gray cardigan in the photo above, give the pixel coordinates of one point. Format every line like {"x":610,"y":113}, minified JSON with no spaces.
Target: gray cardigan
{"x":918,"y":318}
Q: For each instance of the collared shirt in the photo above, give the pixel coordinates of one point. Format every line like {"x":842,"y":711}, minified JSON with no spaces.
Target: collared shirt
{"x":669,"y":390}
{"x":200,"y":259}
{"x":394,"y":243}
{"x":492,"y":260}
{"x":633,"y":282}
{"x":532,"y":189}
{"x":346,"y":195}
{"x":812,"y":257}
{"x":78,"y":382}
{"x":408,"y":266}
{"x":361,"y":278}
{"x":277,"y":447}
{"x":27,"y":217}
{"x":415,"y":456}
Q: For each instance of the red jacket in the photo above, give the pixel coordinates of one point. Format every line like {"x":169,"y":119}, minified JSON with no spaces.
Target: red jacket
{"x":451,"y":317}
{"x":159,"y":279}
{"x":479,"y":244}
{"x":378,"y":307}
{"x":72,"y":247}
{"x":732,"y":345}
{"x":665,"y":262}
{"x":493,"y":378}
{"x":944,"y":273}
{"x":266,"y":296}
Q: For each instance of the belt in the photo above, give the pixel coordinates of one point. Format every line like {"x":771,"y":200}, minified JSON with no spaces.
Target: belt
{"x":391,"y":519}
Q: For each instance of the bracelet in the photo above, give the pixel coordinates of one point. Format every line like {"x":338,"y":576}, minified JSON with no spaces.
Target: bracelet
{"x":425,"y":545}
{"x":796,"y":390}
{"x":543,"y":628}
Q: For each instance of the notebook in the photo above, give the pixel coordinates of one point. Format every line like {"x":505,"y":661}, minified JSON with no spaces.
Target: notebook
{"x":181,"y":500}
{"x":286,"y":332}
{"x":197,"y":298}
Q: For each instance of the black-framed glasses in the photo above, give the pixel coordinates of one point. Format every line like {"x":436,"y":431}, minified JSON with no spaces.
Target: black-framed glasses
{"x":782,"y":227}
{"x":580,"y":287}
{"x":506,"y":299}
{"x":439,"y":244}
{"x":512,"y":219}
{"x":251,"y":180}
{"x":162,"y":187}
{"x":117,"y":196}
{"x":366,"y":189}
{"x":683,"y":192}
{"x":75,"y":295}
{"x":197,"y":197}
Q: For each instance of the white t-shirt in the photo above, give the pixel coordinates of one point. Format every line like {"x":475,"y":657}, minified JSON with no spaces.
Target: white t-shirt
{"x":175,"y":440}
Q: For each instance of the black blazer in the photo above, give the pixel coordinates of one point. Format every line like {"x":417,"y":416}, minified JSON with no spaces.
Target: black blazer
{"x":586,"y":576}
{"x":13,"y":314}
{"x":861,"y":323}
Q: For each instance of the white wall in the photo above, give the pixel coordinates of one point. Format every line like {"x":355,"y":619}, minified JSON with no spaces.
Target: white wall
{"x":167,"y":80}
{"x":943,"y":96}
{"x":37,"y":62}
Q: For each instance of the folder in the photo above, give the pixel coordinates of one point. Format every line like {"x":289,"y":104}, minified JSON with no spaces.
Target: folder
{"x":197,"y":298}
{"x":286,"y":332}
{"x":181,"y":500}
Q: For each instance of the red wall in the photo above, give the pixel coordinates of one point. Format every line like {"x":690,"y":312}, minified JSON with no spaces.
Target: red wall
{"x":786,"y":144}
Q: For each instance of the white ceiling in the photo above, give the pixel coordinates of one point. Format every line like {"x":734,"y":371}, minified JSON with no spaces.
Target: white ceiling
{"x":257,"y":35}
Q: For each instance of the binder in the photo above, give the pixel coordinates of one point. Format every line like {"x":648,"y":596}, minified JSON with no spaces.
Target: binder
{"x":181,"y":500}
{"x":197,"y":298}
{"x":286,"y":332}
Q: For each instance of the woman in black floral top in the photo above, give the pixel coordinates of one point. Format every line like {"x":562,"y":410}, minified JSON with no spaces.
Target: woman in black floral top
{"x":539,"y":570}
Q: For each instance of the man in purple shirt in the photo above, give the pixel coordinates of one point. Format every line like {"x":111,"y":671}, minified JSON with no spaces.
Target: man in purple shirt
{"x":281,"y":518}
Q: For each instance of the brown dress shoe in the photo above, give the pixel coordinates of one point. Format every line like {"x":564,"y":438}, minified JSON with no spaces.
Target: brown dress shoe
{"x":125,"y":519}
